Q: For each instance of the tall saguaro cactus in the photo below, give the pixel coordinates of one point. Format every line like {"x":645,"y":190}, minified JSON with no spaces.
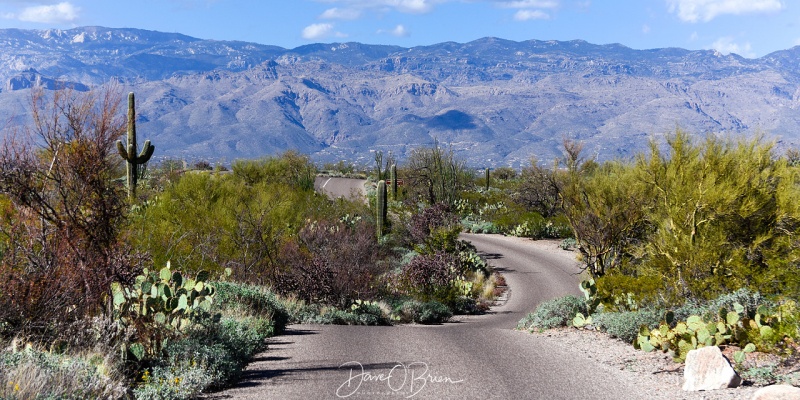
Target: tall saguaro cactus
{"x":487,"y":178}
{"x":381,"y":207}
{"x":128,"y":153}
{"x":393,"y":177}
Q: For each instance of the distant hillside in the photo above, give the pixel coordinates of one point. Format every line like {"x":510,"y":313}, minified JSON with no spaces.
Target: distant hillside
{"x":496,"y":102}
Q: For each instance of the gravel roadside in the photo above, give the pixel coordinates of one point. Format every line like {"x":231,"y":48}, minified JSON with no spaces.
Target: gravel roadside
{"x":655,"y":372}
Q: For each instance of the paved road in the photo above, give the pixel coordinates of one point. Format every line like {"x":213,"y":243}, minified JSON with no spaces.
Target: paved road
{"x":478,"y":357}
{"x":340,"y":187}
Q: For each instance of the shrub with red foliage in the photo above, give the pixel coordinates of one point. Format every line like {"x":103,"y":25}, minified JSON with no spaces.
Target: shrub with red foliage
{"x":430,"y":275}
{"x":62,"y":212}
{"x":332,"y":263}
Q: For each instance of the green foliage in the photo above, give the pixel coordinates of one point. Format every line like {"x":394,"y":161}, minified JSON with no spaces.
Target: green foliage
{"x":210,"y":355}
{"x":291,"y":169}
{"x":625,"y":325}
{"x":618,"y":291}
{"x":431,"y":312}
{"x":237,"y":221}
{"x":251,"y":300}
{"x":135,"y":163}
{"x":553,"y":313}
{"x":703,"y":219}
{"x":603,"y":208}
{"x":766,"y":329}
{"x":360,"y":313}
{"x":34,"y":374}
{"x":436,"y":176}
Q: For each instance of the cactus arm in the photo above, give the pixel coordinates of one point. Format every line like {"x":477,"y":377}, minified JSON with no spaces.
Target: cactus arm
{"x":129,"y":154}
{"x":123,"y":152}
{"x":147,"y":152}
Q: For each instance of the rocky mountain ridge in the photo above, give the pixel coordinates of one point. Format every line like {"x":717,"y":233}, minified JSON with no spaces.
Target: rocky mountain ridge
{"x":494,"y":101}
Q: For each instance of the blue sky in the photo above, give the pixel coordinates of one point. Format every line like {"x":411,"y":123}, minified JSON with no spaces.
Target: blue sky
{"x":751,"y":28}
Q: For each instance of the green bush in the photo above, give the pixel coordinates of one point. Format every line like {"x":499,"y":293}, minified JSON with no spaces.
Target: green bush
{"x":431,"y":312}
{"x":625,"y":325}
{"x":209,"y":356}
{"x":33,"y":374}
{"x":553,"y":313}
{"x":365,"y":314}
{"x":252,"y":300}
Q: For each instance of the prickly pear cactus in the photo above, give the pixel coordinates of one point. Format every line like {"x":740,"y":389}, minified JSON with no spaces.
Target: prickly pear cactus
{"x":162,"y":300}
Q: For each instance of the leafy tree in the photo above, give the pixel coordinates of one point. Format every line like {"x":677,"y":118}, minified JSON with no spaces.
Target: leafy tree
{"x":435,"y":175}
{"x":603,"y":207}
{"x":721,"y":210}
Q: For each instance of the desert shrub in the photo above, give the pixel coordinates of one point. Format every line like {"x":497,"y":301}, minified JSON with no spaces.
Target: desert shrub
{"x":209,"y":356}
{"x":614,"y":290}
{"x":205,"y":222}
{"x":537,"y":191}
{"x":431,"y":312}
{"x":358,"y":314}
{"x":479,"y":226}
{"x":436,"y":176}
{"x":332,"y":263}
{"x":625,"y":324}
{"x":290,"y":168}
{"x":34,"y":374}
{"x":61,"y":212}
{"x":252,"y":300}
{"x":432,"y":277}
{"x":553,"y":313}
{"x":433,"y":229}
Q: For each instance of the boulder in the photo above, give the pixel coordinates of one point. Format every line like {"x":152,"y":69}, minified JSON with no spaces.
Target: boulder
{"x":777,"y":392}
{"x":707,"y":369}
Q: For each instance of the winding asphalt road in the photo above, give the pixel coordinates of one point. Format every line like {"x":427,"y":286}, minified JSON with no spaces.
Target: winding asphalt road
{"x":476,"y":357}
{"x":340,"y":187}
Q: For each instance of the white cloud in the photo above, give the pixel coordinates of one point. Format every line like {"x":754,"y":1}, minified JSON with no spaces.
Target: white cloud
{"x":341,"y":13}
{"x":645,"y":29}
{"x":320,"y":31}
{"x":316,"y":31}
{"x":528,"y":4}
{"x":726,"y":45}
{"x":797,"y":42}
{"x":529,"y":9}
{"x":404,"y":6}
{"x":706,"y":10}
{"x":48,"y":14}
{"x":398,"y":31}
{"x":527,"y":15}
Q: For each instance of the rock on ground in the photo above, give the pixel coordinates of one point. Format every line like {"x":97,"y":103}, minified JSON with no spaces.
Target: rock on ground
{"x":707,"y":369}
{"x":777,"y":392}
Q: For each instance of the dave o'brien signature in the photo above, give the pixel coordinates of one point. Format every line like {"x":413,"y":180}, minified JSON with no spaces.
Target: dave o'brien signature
{"x":413,"y":377}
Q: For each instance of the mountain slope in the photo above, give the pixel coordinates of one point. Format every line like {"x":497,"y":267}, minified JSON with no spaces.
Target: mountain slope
{"x":496,"y":102}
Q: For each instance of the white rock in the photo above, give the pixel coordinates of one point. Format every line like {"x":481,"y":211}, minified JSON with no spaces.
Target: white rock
{"x":777,"y":392}
{"x":708,"y":369}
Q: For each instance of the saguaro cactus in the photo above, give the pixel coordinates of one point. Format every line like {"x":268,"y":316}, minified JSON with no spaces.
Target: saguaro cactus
{"x":487,"y":178}
{"x":381,"y":207}
{"x":393,"y":177}
{"x":128,"y":153}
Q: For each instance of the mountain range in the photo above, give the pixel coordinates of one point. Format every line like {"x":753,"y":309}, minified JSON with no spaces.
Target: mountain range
{"x":493,"y":101}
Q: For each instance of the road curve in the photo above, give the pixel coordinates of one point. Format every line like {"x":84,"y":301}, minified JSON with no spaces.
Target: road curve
{"x":476,"y":357}
{"x":341,"y":187}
